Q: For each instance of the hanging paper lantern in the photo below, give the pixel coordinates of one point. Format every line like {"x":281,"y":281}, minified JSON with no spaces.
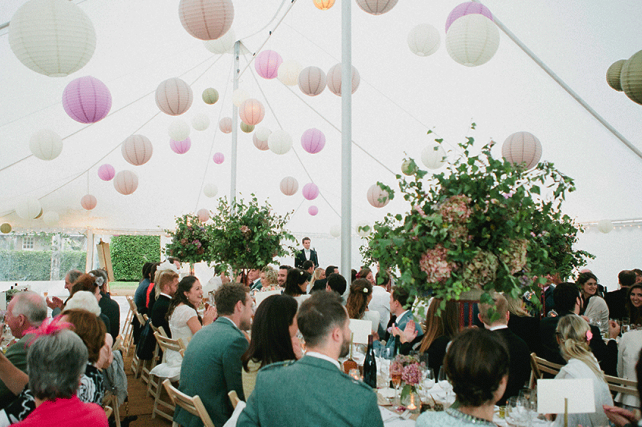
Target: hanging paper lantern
{"x":178,"y":130}
{"x":289,"y":185}
{"x":28,"y":209}
{"x":313,"y":210}
{"x":335,"y":230}
{"x":239,"y":96}
{"x":313,"y":140}
{"x":174,"y":96}
{"x":323,"y":4}
{"x":40,"y":213}
{"x":5,"y":228}
{"x":180,"y":147}
{"x":225,"y":125}
{"x":210,"y":96}
{"x":51,"y":218}
{"x":137,"y":149}
{"x":52,"y":37}
{"x":472,"y":40}
{"x":408,"y":167}
{"x":334,"y":79}
{"x":312,"y":81}
{"x":200,"y":122}
{"x":251,"y":111}
{"x":210,"y":190}
{"x":86,"y":100}
{"x":310,"y":191}
{"x":206,"y":19}
{"x":262,"y":133}
{"x":261,"y":145}
{"x":467,"y":8}
{"x":288,"y":73}
{"x":433,"y":156}
{"x":613,"y":75}
{"x":376,"y":7}
{"x":126,"y":182}
{"x":377,"y":197}
{"x":267,"y":64}
{"x":223,"y":44}
{"x":280,"y":142}
{"x":218,"y":158}
{"x":605,"y":226}
{"x":88,"y":202}
{"x":203,"y":215}
{"x":522,"y":147}
{"x":106,"y":172}
{"x":45,"y":144}
{"x":424,"y":40}
{"x":631,"y":78}
{"x":363,"y":229}
{"x":246,"y":128}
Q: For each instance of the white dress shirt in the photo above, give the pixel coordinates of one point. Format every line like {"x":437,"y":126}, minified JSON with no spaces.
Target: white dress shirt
{"x":380,"y":303}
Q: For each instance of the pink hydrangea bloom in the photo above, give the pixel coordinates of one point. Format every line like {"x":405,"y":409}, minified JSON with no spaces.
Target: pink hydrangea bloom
{"x":456,"y":209}
{"x":436,"y":265}
{"x":411,"y":374}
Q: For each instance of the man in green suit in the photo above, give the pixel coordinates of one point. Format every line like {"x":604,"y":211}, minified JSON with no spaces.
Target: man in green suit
{"x":212,"y":364}
{"x":313,"y":390}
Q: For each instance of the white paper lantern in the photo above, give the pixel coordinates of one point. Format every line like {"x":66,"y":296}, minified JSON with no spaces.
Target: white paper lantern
{"x":126,"y":182}
{"x":522,"y":148}
{"x":51,"y":218}
{"x":223,"y":44}
{"x":239,"y":96}
{"x":261,"y":145}
{"x":312,"y":81}
{"x":137,"y":149}
{"x":88,"y":202}
{"x":334,"y":79}
{"x":52,"y":37}
{"x":251,"y":111}
{"x":262,"y":133}
{"x":203,"y":215}
{"x":424,"y":40}
{"x":335,"y":230}
{"x":28,"y":209}
{"x":45,"y":144}
{"x":288,"y":72}
{"x":210,"y":190}
{"x":360,"y":231}
{"x":178,"y":130}
{"x":433,"y":156}
{"x":472,"y":40}
{"x":174,"y":96}
{"x":280,"y":142}
{"x":605,"y":226}
{"x":225,"y":125}
{"x":376,"y":7}
{"x":289,"y":185}
{"x":377,"y":197}
{"x":200,"y":122}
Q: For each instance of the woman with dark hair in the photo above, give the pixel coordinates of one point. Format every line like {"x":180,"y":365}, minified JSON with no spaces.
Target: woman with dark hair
{"x":87,"y":282}
{"x":357,"y":305}
{"x":634,"y":304}
{"x":477,"y":365}
{"x":594,"y":307}
{"x":274,"y":338}
{"x":366,"y":273}
{"x":440,"y":330}
{"x":296,"y":284}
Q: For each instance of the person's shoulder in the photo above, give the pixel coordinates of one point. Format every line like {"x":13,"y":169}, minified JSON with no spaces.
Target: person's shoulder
{"x":430,"y":418}
{"x":94,"y":415}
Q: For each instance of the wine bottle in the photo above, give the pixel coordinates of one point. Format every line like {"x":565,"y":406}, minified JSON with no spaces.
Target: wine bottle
{"x":370,"y":366}
{"x":350,"y":363}
{"x":397,"y":348}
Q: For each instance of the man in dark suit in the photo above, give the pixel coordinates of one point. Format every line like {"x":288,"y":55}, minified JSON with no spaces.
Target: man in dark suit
{"x":320,"y":285}
{"x":168,"y":284}
{"x":212,"y":364}
{"x":306,"y":254}
{"x":616,"y":300}
{"x":495,"y":318}
{"x":313,"y":390}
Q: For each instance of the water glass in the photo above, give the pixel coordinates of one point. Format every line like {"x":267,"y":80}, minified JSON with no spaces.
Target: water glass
{"x":518,"y":413}
{"x":442,"y":374}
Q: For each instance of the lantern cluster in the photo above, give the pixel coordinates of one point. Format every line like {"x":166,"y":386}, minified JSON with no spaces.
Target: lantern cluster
{"x":625,"y":76}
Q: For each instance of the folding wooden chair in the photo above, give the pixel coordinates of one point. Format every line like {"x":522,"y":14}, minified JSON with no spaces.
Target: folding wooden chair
{"x":193,"y":405}
{"x":128,"y":329}
{"x":144,"y":375}
{"x":154,"y":386}
{"x":621,"y":385}
{"x":111,"y":401}
{"x":137,"y":364}
{"x":540,"y":366}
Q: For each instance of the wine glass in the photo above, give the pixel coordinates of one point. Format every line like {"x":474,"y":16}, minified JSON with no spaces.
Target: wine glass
{"x":395,"y":377}
{"x":442,"y":374}
{"x":517,"y":412}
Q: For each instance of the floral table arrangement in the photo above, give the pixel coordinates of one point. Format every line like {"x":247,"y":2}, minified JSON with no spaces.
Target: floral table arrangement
{"x":411,"y":377}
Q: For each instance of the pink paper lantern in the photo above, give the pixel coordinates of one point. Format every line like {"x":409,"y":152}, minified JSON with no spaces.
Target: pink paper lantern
{"x":312,"y":81}
{"x":88,"y":202}
{"x":267,"y":64}
{"x":334,"y":79}
{"x":174,"y":96}
{"x":522,"y":148}
{"x":206,"y":19}
{"x":126,"y":182}
{"x":377,"y":197}
{"x":251,"y":112}
{"x":106,"y":172}
{"x":289,"y":186}
{"x":261,"y":145}
{"x":203,"y":215}
{"x":313,"y":140}
{"x":467,"y":8}
{"x":218,"y":158}
{"x":137,"y":149}
{"x":180,"y":147}
{"x":86,"y":100}
{"x":310,"y":191}
{"x":225,"y":125}
{"x":313,"y":210}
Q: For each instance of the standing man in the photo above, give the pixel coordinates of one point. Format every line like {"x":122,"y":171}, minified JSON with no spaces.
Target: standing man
{"x":306,"y":254}
{"x":212,"y":364}
{"x":313,"y":390}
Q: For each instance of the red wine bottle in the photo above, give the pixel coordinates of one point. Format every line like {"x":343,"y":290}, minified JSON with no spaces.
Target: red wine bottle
{"x":370,"y":366}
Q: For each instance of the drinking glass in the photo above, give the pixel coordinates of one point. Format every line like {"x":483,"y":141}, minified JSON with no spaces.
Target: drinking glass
{"x":395,"y":377}
{"x":442,"y":374}
{"x":518,"y":412}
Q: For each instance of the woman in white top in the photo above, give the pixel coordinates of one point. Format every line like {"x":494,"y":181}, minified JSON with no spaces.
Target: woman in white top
{"x":628,"y":355}
{"x":573,"y":335}
{"x":357,"y":305}
{"x":595,"y":308}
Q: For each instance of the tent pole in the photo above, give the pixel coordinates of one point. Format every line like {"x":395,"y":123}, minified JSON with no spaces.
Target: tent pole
{"x":89,"y":261}
{"x":346,"y":137}
{"x":235,"y":118}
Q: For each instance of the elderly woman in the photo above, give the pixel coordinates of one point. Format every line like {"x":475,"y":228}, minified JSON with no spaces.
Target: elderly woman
{"x":270,"y":281}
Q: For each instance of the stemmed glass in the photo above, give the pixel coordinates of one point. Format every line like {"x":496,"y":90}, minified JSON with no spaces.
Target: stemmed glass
{"x":395,"y":377}
{"x":517,"y":412}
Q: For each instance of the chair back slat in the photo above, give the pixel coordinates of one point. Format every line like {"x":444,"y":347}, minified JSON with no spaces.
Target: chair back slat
{"x":541,"y":366}
{"x":193,"y":405}
{"x":169,"y":344}
{"x":621,"y":385}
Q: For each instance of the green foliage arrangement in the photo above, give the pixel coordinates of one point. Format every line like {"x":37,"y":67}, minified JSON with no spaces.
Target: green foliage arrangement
{"x":191,"y":240}
{"x":129,"y":253}
{"x":36,"y":265}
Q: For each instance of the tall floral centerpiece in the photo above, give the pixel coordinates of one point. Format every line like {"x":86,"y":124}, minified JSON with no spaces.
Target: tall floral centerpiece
{"x":190,"y":240}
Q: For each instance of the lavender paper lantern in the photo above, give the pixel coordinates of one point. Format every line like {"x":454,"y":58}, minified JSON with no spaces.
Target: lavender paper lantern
{"x":313,"y":140}
{"x":312,"y":81}
{"x":251,"y":111}
{"x":377,"y":197}
{"x":467,"y":8}
{"x":106,"y":172}
{"x":126,"y":182}
{"x":86,"y":100}
{"x":313,"y":210}
{"x":334,"y":79}
{"x":522,"y":148}
{"x":218,"y":158}
{"x":174,"y":96}
{"x":289,"y":186}
{"x":261,"y":145}
{"x":203,"y":215}
{"x":180,"y":147}
{"x":206,"y":19}
{"x":376,"y":7}
{"x":310,"y":191}
{"x":267,"y":64}
{"x":137,"y":149}
{"x":225,"y":125}
{"x":88,"y":202}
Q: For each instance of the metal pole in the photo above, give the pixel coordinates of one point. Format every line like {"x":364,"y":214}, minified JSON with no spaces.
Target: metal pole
{"x":346,"y":137}
{"x":235,"y":119}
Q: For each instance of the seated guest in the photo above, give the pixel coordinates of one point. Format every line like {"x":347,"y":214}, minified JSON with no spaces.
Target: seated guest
{"x":270,"y":281}
{"x":523,"y":324}
{"x":140,"y":296}
{"x":593,"y":306}
{"x":274,"y":339}
{"x":381,"y":300}
{"x":573,"y":335}
{"x":629,"y":349}
{"x":212,"y":365}
{"x":366,"y":273}
{"x":297,"y":284}
{"x":357,"y":305}
{"x":254,"y":279}
{"x":495,"y":319}
{"x":308,"y":267}
{"x":320,"y":284}
{"x":622,"y":417}
{"x":87,"y":283}
{"x":336,"y":283}
{"x":85,"y":300}
{"x":616,"y":300}
{"x":55,"y":303}
{"x":440,"y":330}
{"x":108,"y":306}
{"x":318,"y":274}
{"x":634,"y":304}
{"x":399,"y":300}
{"x":313,"y":390}
{"x":283,"y":274}
{"x":477,"y":365}
{"x":150,"y":296}
{"x":166,"y":285}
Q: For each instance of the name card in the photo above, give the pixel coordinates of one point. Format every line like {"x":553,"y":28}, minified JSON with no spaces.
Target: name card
{"x":551,"y":395}
{"x":360,"y":329}
{"x":259,"y":297}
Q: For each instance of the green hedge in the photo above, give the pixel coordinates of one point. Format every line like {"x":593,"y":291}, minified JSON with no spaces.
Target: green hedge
{"x":129,"y":253}
{"x":36,"y":265}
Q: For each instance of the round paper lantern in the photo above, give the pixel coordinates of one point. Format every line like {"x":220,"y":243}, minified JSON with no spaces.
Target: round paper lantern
{"x":180,"y":147}
{"x":605,"y":226}
{"x":225,"y":125}
{"x":203,"y":215}
{"x":377,"y":197}
{"x":334,"y":79}
{"x":178,"y":130}
{"x":324,"y":4}
{"x":359,"y":227}
{"x":246,"y":128}
{"x":335,"y":230}
{"x":5,"y":228}
{"x":262,"y":133}
{"x":200,"y":122}
{"x":206,"y":19}
{"x":106,"y":172}
{"x":267,"y":64}
{"x":45,"y":144}
{"x":261,"y":145}
{"x":174,"y":96}
{"x":137,"y":150}
{"x":210,"y":190}
{"x":88,"y":202}
{"x":522,"y":147}
{"x":239,"y":96}
{"x":40,"y":213}
{"x":310,"y":191}
{"x":86,"y":100}
{"x":51,"y":218}
{"x":210,"y":96}
{"x":376,"y":7}
{"x":126,"y":182}
{"x":613,"y":75}
{"x":467,"y":8}
{"x":631,"y":78}
{"x":408,"y":167}
{"x":280,"y":142}
{"x":313,"y":140}
{"x":52,"y":37}
{"x":28,"y":209}
{"x":218,"y":158}
{"x":289,"y":185}
{"x":251,"y":111}
{"x":313,"y":210}
{"x":433,"y":156}
{"x":472,"y":40}
{"x":312,"y":81}
{"x":424,"y":40}
{"x":288,"y":73}
{"x":223,"y":44}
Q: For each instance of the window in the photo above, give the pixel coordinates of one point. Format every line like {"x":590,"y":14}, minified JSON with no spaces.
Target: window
{"x":27,"y":242}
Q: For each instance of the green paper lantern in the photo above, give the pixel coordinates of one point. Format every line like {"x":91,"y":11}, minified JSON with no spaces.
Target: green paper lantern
{"x":631,"y":78}
{"x":5,"y":228}
{"x":613,"y":75}
{"x":210,"y":96}
{"x":246,"y":128}
{"x":39,"y":215}
{"x":408,"y":167}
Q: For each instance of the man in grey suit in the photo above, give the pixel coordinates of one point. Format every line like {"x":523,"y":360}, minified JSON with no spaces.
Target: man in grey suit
{"x":313,"y":390}
{"x":212,"y":364}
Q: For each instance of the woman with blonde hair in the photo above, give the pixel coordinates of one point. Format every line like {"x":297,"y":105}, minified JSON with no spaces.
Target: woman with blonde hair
{"x":319,"y":274}
{"x":271,"y":282}
{"x":522,"y":324}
